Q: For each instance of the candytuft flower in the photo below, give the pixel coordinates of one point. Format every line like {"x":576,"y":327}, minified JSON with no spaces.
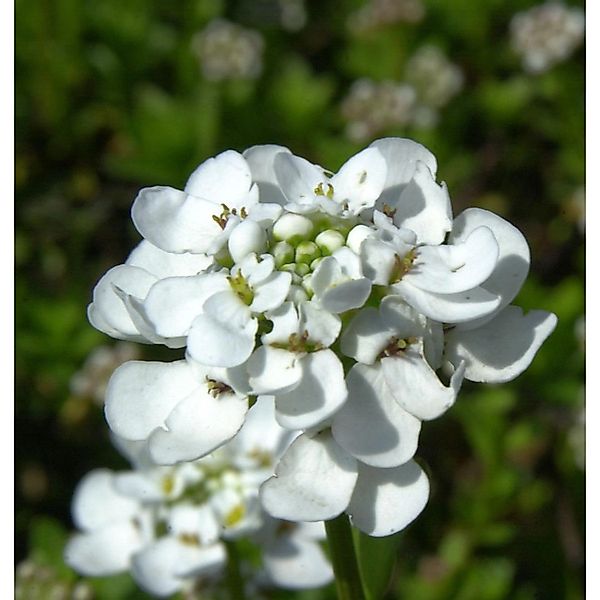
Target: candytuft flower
{"x":352,"y":304}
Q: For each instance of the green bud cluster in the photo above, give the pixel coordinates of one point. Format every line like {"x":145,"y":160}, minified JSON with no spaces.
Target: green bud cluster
{"x":300,"y":242}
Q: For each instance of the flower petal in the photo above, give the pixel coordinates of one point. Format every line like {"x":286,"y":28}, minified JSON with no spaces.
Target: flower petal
{"x":313,"y":481}
{"x":108,"y":309}
{"x":273,"y":370}
{"x":198,"y":425}
{"x":157,"y":568}
{"x":366,"y":336}
{"x":140,"y":395}
{"x":360,"y":180}
{"x":385,"y":501}
{"x":271,"y":292}
{"x":224,"y":179}
{"x":371,"y":426}
{"x":260,"y":435}
{"x":219,"y":343}
{"x":346,"y":295}
{"x":448,"y":308}
{"x":298,"y":178}
{"x":513,"y":259}
{"x":173,"y":303}
{"x":261,"y":159}
{"x":378,"y":260}
{"x":504,"y":347}
{"x":294,"y":563}
{"x":167,"y":264}
{"x":424,"y":207}
{"x":97,"y":503}
{"x":401,"y":156}
{"x":175,"y":221}
{"x":416,"y":387}
{"x":107,"y":551}
{"x":319,"y":393}
{"x":455,"y":268}
{"x":322,"y":326}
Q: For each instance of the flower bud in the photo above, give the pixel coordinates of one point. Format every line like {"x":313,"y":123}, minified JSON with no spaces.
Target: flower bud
{"x":283,"y":253}
{"x":329,"y":241}
{"x":356,"y":237}
{"x":306,"y":252}
{"x":293,"y":228}
{"x":302,"y":269}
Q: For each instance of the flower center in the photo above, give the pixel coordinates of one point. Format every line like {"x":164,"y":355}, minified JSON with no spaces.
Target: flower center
{"x":240,"y":286}
{"x":320,"y":191}
{"x":403,"y":265}
{"x":299,"y":344}
{"x":222,"y":219}
{"x":397,"y":346}
{"x":216,"y":388}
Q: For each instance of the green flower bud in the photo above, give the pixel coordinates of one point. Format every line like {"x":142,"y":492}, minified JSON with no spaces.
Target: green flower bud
{"x":283,"y":252}
{"x":291,"y":268}
{"x":306,"y":252}
{"x":293,"y":228}
{"x":302,"y":269}
{"x":329,"y":241}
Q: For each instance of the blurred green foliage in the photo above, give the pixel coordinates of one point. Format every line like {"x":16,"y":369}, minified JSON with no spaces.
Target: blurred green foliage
{"x":110,"y":97}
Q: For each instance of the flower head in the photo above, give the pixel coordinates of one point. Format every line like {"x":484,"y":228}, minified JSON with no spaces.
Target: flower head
{"x":353,"y":303}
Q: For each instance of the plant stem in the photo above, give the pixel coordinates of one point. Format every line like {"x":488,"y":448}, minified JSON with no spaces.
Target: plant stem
{"x":343,"y":559}
{"x":235,"y":582}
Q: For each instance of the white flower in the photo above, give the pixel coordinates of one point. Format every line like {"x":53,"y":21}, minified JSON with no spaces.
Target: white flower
{"x":296,"y":365}
{"x":166,"y":524}
{"x":317,"y":480}
{"x":226,"y":50}
{"x":546,"y":34}
{"x":113,"y":526}
{"x":307,"y":188}
{"x":500,"y":346}
{"x":440,"y":281}
{"x":218,"y":195}
{"x":292,"y":555}
{"x":351,"y":305}
{"x":183,"y":410}
{"x":338,"y":282}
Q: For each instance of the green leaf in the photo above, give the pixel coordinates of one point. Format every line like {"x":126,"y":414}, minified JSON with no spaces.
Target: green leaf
{"x":47,"y":540}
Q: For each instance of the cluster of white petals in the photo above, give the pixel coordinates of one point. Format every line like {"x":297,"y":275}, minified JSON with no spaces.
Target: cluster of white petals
{"x":430,"y":81}
{"x":168,"y":526}
{"x":355,"y":303}
{"x":547,"y":34}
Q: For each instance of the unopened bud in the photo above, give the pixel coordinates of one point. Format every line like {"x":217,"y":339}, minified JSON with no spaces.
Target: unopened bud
{"x":356,"y":237}
{"x":329,"y":241}
{"x":283,"y":252}
{"x":293,"y":228}
{"x":306,"y":252}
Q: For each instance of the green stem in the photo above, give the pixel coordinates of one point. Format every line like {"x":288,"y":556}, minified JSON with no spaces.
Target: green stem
{"x":235,"y":582}
{"x":343,"y":559}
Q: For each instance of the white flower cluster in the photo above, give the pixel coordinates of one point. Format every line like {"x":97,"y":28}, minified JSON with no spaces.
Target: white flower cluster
{"x":228,"y":51}
{"x":546,"y":34}
{"x":169,"y":525}
{"x":430,"y":82}
{"x":353,"y":301}
{"x":378,"y":13}
{"x":436,"y":81}
{"x":372,"y":106}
